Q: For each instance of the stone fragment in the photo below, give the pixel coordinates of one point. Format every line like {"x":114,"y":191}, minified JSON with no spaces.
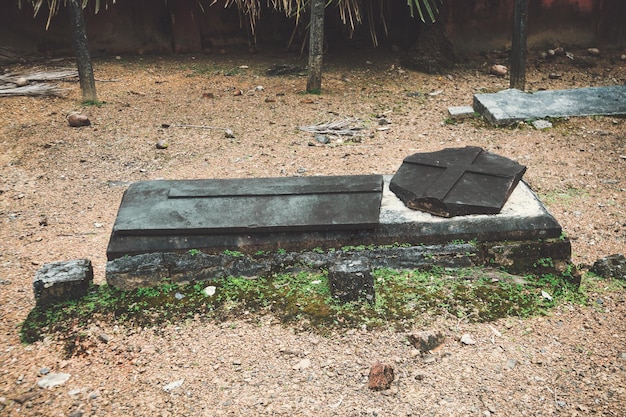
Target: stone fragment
{"x":53,"y":380}
{"x":61,"y":281}
{"x":461,"y":112}
{"x":21,"y":82}
{"x":380,"y":377}
{"x":498,"y":70}
{"x":352,"y":280}
{"x":173,"y":385}
{"x":303,"y":364}
{"x":427,"y":341}
{"x":27,"y":396}
{"x":541,"y":124}
{"x":162,"y":144}
{"x":466,"y":339}
{"x":613,"y":266}
{"x":593,"y":52}
{"x":78,"y":120}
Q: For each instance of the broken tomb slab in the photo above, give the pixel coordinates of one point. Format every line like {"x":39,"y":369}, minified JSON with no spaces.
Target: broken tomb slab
{"x":456,"y":181}
{"x":509,"y":106}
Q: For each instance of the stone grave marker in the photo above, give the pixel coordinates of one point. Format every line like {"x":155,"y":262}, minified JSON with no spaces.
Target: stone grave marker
{"x":456,"y":181}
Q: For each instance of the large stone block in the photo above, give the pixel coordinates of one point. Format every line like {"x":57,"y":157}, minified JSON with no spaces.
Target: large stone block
{"x":61,"y":281}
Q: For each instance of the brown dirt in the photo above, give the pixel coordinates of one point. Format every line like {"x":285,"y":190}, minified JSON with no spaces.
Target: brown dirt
{"x":60,"y":188}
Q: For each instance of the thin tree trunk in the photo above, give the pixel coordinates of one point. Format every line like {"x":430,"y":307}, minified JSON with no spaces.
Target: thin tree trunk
{"x":316,"y":47}
{"x":81,"y":48}
{"x":518,"y":52}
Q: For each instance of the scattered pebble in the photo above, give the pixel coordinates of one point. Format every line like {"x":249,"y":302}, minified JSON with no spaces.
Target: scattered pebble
{"x":162,"y":144}
{"x":541,"y":124}
{"x":511,"y":363}
{"x":44,"y":371}
{"x":173,"y":385}
{"x":466,"y":339}
{"x":303,"y":364}
{"x":498,"y":70}
{"x":78,"y":120}
{"x":593,"y":52}
{"x":229,"y":134}
{"x":53,"y":380}
{"x":209,"y":291}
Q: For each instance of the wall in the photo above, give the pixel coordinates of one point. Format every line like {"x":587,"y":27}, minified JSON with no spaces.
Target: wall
{"x":145,"y":26}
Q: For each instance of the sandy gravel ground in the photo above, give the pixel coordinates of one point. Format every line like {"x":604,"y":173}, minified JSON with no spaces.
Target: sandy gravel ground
{"x":60,"y":189}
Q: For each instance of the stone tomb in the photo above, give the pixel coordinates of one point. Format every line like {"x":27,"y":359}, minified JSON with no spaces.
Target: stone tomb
{"x":203,"y":229}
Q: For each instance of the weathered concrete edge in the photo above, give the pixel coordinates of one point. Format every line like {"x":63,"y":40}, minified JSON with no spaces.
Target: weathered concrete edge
{"x":152,"y":269}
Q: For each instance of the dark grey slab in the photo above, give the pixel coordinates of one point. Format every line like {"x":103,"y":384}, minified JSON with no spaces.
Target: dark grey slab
{"x":252,"y":205}
{"x":510,"y":106}
{"x":456,"y":181}
{"x":523,"y":217}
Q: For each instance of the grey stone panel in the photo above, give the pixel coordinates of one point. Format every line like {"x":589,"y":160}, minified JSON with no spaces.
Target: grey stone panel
{"x":510,"y":106}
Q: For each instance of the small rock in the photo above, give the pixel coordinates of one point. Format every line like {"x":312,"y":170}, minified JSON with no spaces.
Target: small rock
{"x":78,"y":120}
{"x":559,"y":51}
{"x":622,"y":355}
{"x":21,"y":82}
{"x":429,"y":358}
{"x":44,"y":371}
{"x":303,"y":364}
{"x":209,"y":291}
{"x":593,"y":52}
{"x":466,"y":339}
{"x":173,"y":385}
{"x":74,"y":392}
{"x":323,"y":139}
{"x":27,"y":396}
{"x":76,"y":413}
{"x":381,"y":376}
{"x":229,"y":134}
{"x":613,"y":266}
{"x":511,"y":363}
{"x":104,"y":338}
{"x":623,"y":57}
{"x":541,"y":124}
{"x":53,"y":380}
{"x":499,"y":70}
{"x":427,"y":340}
{"x":162,"y":144}
{"x":555,"y":76}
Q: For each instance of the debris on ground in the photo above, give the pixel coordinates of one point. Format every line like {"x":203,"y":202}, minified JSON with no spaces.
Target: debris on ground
{"x":26,"y":84}
{"x":345,"y":127}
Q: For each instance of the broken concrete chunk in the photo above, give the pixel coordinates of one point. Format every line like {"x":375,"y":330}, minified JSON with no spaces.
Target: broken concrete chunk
{"x":61,"y":281}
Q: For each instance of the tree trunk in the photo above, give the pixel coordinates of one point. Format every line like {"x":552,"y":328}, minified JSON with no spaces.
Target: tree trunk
{"x":518,"y":52}
{"x":316,"y":47}
{"x":81,"y":48}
